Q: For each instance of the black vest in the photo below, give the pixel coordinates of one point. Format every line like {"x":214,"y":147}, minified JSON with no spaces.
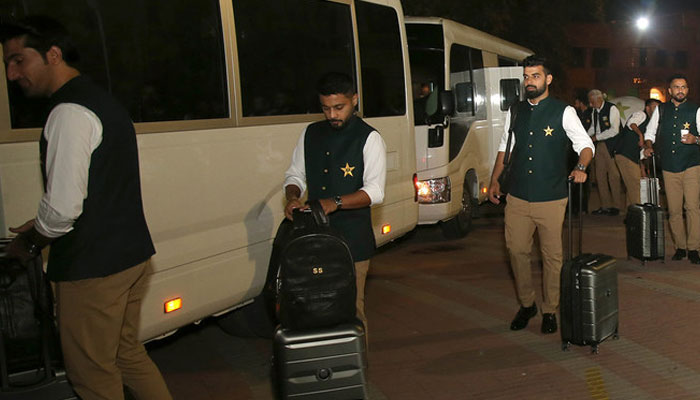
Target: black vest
{"x":111,"y":234}
{"x":628,"y":145}
{"x":334,"y":167}
{"x":540,"y":152}
{"x":603,"y":124}
{"x":677,"y":156}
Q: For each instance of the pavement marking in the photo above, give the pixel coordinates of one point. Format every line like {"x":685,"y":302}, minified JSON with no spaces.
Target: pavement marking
{"x":620,"y":388}
{"x":596,"y":384}
{"x":672,"y":370}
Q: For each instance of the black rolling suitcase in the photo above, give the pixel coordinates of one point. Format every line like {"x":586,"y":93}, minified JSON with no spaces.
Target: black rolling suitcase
{"x":321,"y":364}
{"x":645,"y":225}
{"x":316,"y":284}
{"x":589,"y":296}
{"x":30,"y":358}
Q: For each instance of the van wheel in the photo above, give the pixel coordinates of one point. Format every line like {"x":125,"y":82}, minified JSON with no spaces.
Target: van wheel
{"x":251,"y":320}
{"x":460,"y":225}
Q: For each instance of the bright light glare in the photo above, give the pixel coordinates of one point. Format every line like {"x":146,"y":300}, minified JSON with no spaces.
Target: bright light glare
{"x":642,"y":23}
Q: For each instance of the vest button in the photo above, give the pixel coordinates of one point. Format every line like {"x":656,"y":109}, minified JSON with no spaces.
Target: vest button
{"x":328,"y":153}
{"x":673,"y":151}
{"x":530,"y":145}
{"x":673,"y":142}
{"x":530,"y":133}
{"x":323,"y":188}
{"x":529,"y":172}
{"x":529,"y":158}
{"x":325,"y":171}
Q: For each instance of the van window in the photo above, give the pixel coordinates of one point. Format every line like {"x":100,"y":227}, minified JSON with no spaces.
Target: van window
{"x":510,"y":92}
{"x":141,"y":53}
{"x":381,"y":57}
{"x":425,"y":47}
{"x":284,"y":47}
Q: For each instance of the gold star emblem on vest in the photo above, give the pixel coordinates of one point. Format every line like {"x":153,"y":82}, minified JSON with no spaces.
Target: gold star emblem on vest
{"x":347,"y":170}
{"x":686,"y":125}
{"x":548,"y":131}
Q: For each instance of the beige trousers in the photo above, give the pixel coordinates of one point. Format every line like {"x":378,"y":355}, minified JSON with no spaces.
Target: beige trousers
{"x":98,"y":322}
{"x":683,"y":193}
{"x":521,"y":220}
{"x":608,"y":177}
{"x":361,"y":269}
{"x":631,"y":176}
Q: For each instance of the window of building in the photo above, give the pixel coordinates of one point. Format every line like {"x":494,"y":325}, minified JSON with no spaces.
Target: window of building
{"x":643,"y":57}
{"x":510,"y":92}
{"x":600,"y":58}
{"x":381,"y":56}
{"x":661,"y":58}
{"x":680,"y":59}
{"x":578,"y":57}
{"x":285,"y":47}
{"x":140,"y":53}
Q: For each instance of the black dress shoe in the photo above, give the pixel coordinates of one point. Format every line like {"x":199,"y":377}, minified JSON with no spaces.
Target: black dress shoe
{"x":549,"y":323}
{"x":600,"y":211}
{"x":694,"y":257}
{"x":611,"y":212}
{"x":522,"y":317}
{"x":680,"y":254}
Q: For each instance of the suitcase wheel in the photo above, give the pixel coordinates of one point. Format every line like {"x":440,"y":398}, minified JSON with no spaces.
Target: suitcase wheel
{"x":594,"y":349}
{"x":565,"y":346}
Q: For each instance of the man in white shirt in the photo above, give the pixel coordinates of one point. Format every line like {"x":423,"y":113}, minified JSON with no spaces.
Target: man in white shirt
{"x":341,"y":161}
{"x":543,"y":129}
{"x":91,"y":213}
{"x":602,"y":121}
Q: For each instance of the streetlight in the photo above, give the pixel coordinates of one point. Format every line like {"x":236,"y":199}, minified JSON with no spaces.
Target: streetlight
{"x":642,"y":23}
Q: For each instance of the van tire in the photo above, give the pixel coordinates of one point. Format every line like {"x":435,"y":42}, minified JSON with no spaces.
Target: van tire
{"x":251,"y":320}
{"x":460,"y":225}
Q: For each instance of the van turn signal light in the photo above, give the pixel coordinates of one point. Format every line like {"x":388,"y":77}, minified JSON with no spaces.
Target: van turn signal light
{"x":173,"y":305}
{"x":386,"y":229}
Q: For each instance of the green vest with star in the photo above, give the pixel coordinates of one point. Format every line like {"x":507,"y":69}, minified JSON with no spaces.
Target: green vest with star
{"x":540,"y":153}
{"x":677,"y":156}
{"x":334,"y":167}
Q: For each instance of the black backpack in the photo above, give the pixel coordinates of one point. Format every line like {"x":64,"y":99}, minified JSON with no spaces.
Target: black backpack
{"x":316,"y":282}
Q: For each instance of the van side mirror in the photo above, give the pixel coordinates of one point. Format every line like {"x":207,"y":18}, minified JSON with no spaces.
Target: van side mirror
{"x":447,"y":102}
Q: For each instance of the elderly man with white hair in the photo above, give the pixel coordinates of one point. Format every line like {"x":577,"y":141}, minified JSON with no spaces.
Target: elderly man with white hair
{"x":602,"y":121}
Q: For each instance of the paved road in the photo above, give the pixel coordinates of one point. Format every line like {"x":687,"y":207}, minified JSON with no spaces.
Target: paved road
{"x":439,"y":313}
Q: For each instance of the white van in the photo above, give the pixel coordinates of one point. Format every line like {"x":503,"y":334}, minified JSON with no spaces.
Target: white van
{"x":220,"y":91}
{"x":464,"y":81}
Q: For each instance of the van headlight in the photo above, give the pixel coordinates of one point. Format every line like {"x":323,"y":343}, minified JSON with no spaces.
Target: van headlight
{"x":434,"y":191}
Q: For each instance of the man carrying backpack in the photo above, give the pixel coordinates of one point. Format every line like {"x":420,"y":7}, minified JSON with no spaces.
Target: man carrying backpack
{"x":341,"y":161}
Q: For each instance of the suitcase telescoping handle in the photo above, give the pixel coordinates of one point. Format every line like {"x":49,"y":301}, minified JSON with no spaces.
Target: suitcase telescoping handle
{"x":651,"y":187}
{"x":570,"y":249}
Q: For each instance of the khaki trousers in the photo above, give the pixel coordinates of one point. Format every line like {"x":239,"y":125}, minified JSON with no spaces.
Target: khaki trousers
{"x":608,"y":177}
{"x":682,"y":186}
{"x":98,"y":322}
{"x":361,"y":269}
{"x":631,"y":177}
{"x":521,"y":220}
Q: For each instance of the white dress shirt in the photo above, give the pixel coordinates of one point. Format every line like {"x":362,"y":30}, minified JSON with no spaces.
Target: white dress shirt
{"x":373,"y":179}
{"x":73,"y":132}
{"x":653,"y":125}
{"x":571,"y":123}
{"x":614,"y":124}
{"x":637,"y":118}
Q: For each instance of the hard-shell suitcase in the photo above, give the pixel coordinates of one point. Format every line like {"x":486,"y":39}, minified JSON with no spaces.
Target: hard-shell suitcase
{"x":645,"y":225}
{"x":30,"y":358}
{"x":589,"y":295}
{"x":321,"y":364}
{"x":317,"y":274}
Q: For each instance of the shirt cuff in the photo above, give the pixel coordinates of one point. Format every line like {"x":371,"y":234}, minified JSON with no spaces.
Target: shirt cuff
{"x":50,"y":222}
